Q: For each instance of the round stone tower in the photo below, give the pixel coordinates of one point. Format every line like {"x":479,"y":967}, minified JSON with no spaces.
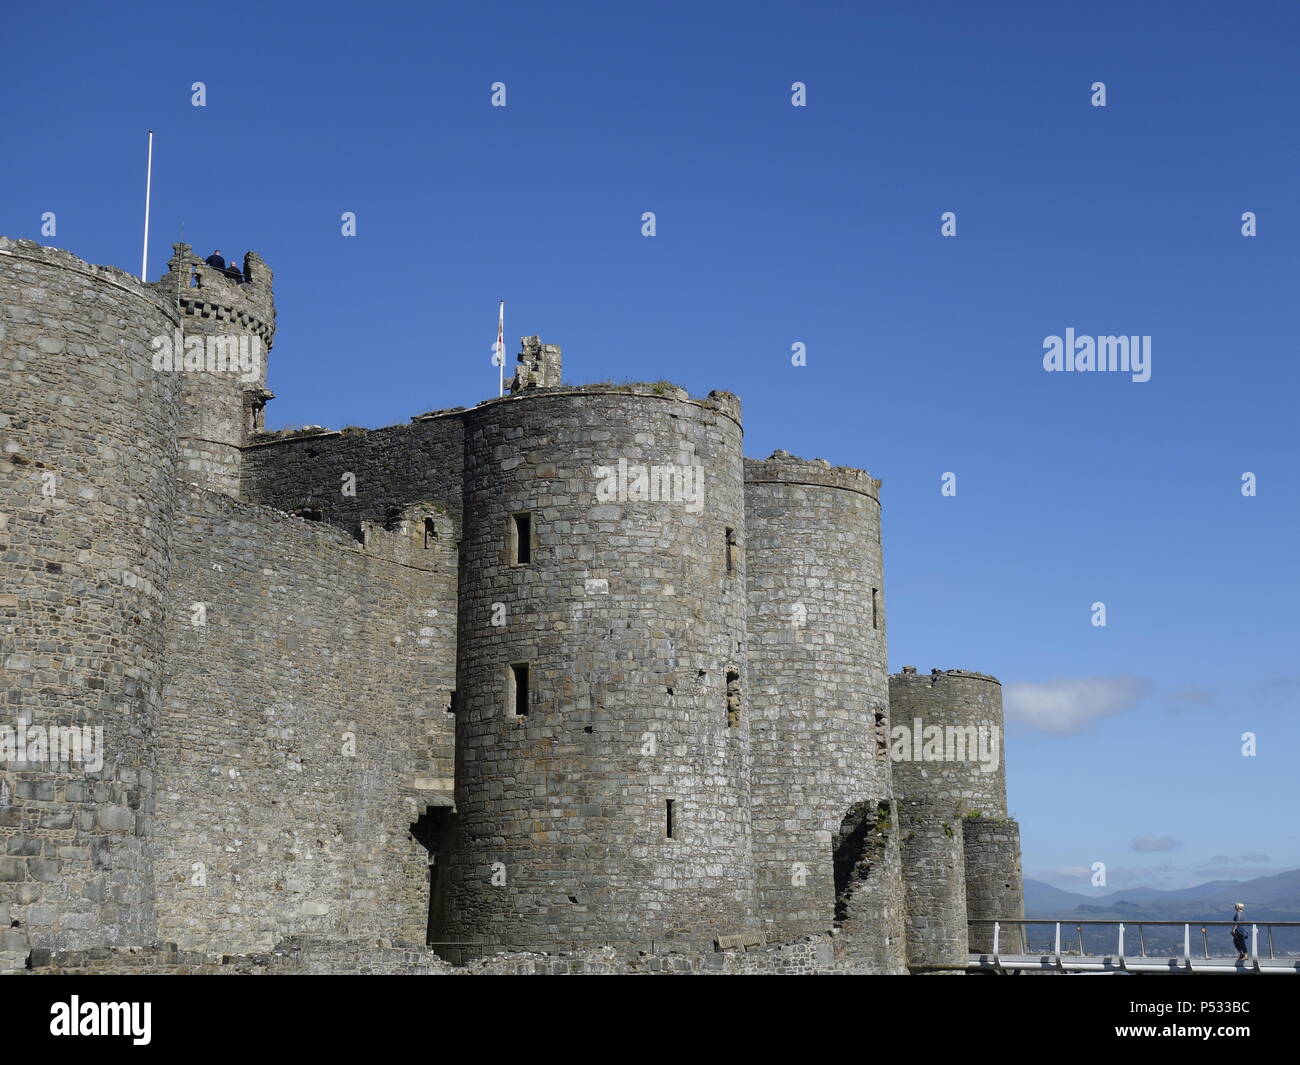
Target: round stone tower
{"x":934,"y":884}
{"x":825,"y":849}
{"x":950,"y":773}
{"x":995,"y":887}
{"x":87,"y":495}
{"x":602,"y":731}
{"x":227,"y":329}
{"x":960,"y":761}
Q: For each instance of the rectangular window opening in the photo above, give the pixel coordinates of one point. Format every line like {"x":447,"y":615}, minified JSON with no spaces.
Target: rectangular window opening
{"x":875,"y":608}
{"x":731,"y":550}
{"x":733,"y":699}
{"x":669,"y":826}
{"x":430,"y":533}
{"x":519,"y":689}
{"x":521,"y":539}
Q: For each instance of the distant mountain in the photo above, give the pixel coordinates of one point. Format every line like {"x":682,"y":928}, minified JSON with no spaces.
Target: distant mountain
{"x":1043,"y":900}
{"x":1267,"y":898}
{"x":1281,"y":890}
{"x":1141,"y":893}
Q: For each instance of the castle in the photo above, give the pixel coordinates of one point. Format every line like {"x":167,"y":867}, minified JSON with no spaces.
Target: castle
{"x":557,"y":672}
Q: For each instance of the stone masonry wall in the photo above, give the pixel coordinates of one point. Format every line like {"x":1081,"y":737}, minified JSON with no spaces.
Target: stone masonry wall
{"x":934,"y":882}
{"x":954,"y":790}
{"x":633,"y":628}
{"x":820,"y":696}
{"x":87,"y":493}
{"x":295,"y":471}
{"x":995,"y":887}
{"x":216,"y":405}
{"x":701,"y":748}
{"x":957,"y":699}
{"x":305,"y":955}
{"x":298,"y":710}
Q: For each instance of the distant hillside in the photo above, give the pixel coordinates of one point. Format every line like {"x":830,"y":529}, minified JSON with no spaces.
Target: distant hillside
{"x":1267,"y":898}
{"x":1202,"y":902}
{"x":1043,"y":900}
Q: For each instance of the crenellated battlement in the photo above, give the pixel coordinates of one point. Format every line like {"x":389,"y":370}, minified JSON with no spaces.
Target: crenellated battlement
{"x":909,"y":674}
{"x":220,"y":409}
{"x":212,"y":302}
{"x":784,"y":468}
{"x":127,"y":283}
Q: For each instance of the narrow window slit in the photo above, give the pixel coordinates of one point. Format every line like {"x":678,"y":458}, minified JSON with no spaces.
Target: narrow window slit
{"x":519,"y":689}
{"x":521,"y":539}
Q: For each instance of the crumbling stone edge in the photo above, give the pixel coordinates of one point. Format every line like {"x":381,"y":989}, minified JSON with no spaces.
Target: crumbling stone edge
{"x":304,"y":956}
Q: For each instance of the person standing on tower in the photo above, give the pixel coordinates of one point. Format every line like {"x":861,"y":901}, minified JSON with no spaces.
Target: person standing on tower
{"x":216,"y":261}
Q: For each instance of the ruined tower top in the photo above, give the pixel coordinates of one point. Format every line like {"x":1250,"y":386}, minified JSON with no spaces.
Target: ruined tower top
{"x":228,"y":328}
{"x":213,"y":302}
{"x":539,"y":366}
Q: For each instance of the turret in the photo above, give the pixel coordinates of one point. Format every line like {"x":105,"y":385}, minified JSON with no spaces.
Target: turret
{"x":825,"y":840}
{"x":961,"y":851}
{"x":220,"y":357}
{"x":87,"y":495}
{"x":601,"y":724}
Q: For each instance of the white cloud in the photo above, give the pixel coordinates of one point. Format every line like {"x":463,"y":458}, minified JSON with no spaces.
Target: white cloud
{"x":1066,"y":704}
{"x":1244,"y":867}
{"x":1155,"y":843}
{"x":1191,"y":696}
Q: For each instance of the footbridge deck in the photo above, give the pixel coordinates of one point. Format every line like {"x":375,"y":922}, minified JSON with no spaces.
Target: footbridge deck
{"x":1076,"y":947}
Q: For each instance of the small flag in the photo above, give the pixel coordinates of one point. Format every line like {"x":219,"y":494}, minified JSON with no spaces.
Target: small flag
{"x":499,"y":357}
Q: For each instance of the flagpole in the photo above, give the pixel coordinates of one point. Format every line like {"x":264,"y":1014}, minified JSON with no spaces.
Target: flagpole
{"x":501,"y":347}
{"x":148,"y":190}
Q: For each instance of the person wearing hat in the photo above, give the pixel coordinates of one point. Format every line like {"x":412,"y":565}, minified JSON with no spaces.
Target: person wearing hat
{"x":1239,"y":930}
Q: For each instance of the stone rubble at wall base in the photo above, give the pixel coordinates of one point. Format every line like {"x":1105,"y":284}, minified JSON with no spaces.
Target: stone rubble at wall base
{"x":305,"y":956}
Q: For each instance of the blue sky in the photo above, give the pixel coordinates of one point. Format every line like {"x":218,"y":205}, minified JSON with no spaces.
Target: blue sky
{"x":819,"y":225}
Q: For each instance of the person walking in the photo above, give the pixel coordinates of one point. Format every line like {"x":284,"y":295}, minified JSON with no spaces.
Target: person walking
{"x":1239,"y":930}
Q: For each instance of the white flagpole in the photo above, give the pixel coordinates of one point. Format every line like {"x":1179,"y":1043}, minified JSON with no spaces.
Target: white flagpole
{"x":501,"y":347}
{"x":148,"y":189}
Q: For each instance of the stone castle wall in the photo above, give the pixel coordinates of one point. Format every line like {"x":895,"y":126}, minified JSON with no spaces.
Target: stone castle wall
{"x":632,"y":628}
{"x":959,"y":699}
{"x":218,"y":407}
{"x":277,"y":691}
{"x":296,"y":717}
{"x":307,"y":470}
{"x":820,"y":695}
{"x":86,"y":506}
{"x":995,"y":887}
{"x":958,"y":840}
{"x":306,"y":955}
{"x":934,"y":882}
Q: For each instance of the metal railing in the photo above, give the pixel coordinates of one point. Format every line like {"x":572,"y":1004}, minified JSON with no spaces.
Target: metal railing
{"x":1062,"y":958}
